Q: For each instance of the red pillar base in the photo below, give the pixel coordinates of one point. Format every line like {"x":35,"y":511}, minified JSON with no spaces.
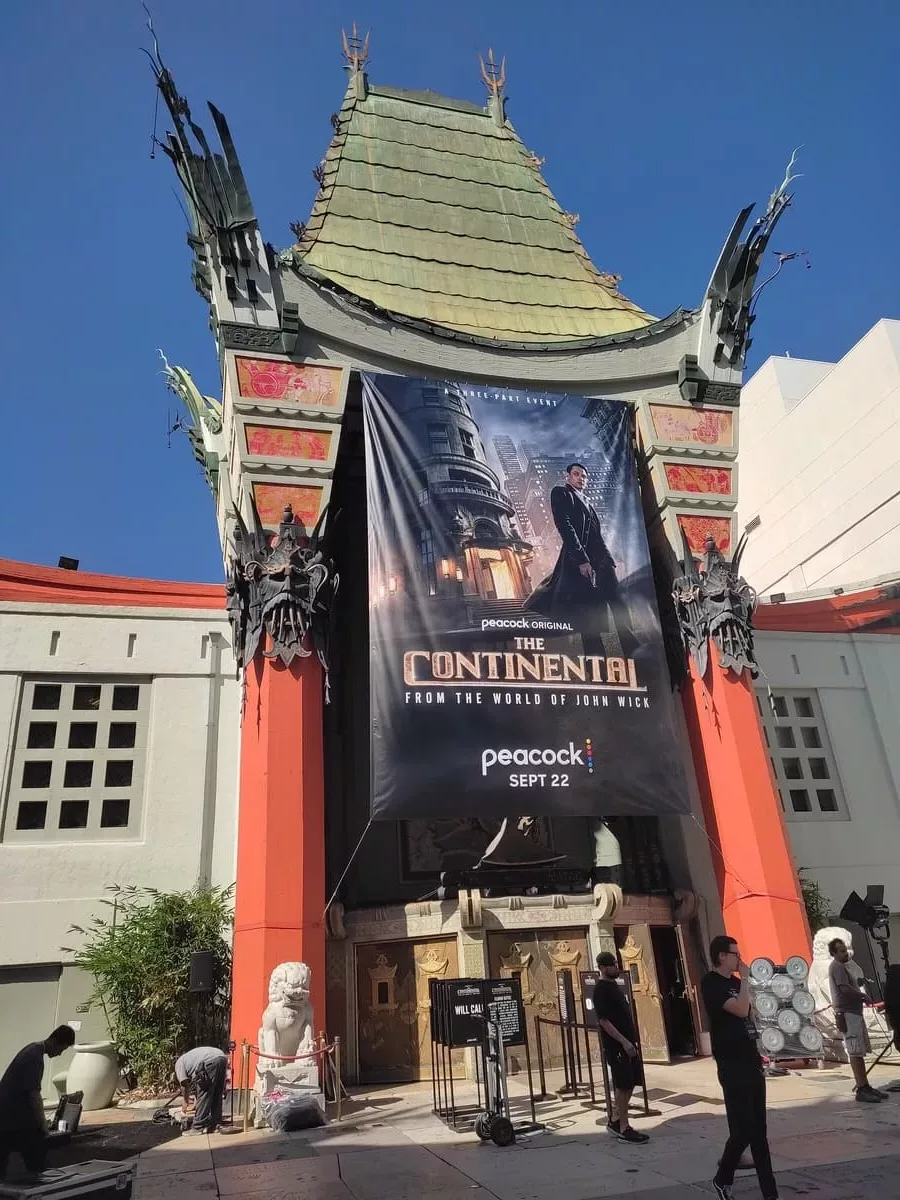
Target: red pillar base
{"x":760,"y":893}
{"x":280,"y":892}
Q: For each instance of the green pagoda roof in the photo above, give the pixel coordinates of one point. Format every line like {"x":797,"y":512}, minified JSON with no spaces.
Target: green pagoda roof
{"x":432,"y":209}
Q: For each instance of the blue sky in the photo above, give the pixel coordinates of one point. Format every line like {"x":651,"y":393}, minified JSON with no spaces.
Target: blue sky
{"x":658,"y":122}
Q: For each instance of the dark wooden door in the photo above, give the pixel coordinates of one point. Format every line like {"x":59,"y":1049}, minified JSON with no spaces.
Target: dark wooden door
{"x":693,"y":972}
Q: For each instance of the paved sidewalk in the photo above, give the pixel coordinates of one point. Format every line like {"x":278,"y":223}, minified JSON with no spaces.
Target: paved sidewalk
{"x":391,"y":1147}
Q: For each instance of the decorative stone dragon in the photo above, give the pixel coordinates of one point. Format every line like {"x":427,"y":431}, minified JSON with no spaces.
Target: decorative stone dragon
{"x":733,"y":288}
{"x":284,"y":588}
{"x":712,"y":601}
{"x":205,"y":428}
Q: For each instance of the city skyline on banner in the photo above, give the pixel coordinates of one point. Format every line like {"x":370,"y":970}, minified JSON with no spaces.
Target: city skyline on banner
{"x":515,"y":644}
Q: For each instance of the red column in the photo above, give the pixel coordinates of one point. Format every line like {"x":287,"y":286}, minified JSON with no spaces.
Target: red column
{"x":280,"y":893}
{"x":758,"y":885}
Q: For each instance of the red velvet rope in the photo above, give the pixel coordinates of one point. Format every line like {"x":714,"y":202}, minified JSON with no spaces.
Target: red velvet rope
{"x":291,"y":1057}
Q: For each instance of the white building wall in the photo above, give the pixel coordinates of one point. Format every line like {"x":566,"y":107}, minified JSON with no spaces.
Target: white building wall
{"x":856,"y":678}
{"x":820,"y":468}
{"x":188,"y":825}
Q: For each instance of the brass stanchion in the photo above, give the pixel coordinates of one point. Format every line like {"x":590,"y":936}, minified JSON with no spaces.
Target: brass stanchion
{"x":245,"y":1068}
{"x":240,"y":1085}
{"x":337,"y":1076}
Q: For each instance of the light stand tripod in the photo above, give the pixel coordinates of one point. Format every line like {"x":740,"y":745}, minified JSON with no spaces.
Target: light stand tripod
{"x":894,"y":1040}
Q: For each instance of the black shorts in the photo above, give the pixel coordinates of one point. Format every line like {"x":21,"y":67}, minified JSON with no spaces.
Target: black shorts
{"x":627,"y":1073}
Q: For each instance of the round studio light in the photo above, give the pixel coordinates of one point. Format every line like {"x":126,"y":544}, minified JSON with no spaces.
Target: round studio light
{"x":804,"y":1002}
{"x":772,"y":1040}
{"x":762,"y":970}
{"x":797,"y":968}
{"x":765,"y":1004}
{"x":789,"y":1021}
{"x":783,"y":986}
{"x":811,"y":1039}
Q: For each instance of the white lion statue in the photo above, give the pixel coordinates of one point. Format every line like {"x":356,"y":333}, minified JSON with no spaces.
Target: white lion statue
{"x":287,"y":1023}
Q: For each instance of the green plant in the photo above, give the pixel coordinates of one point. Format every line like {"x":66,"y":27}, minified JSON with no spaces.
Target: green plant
{"x":817,"y":904}
{"x":140,"y":956}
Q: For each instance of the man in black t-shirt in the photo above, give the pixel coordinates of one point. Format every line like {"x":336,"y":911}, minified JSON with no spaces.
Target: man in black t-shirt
{"x":618,"y":1037}
{"x":733,"y":1035}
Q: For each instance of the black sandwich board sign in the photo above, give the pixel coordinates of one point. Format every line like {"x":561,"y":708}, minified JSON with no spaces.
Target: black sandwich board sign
{"x":465,"y":1005}
{"x":588,"y":983}
{"x":503,"y":1004}
{"x":565,"y":998}
{"x":459,"y":1008}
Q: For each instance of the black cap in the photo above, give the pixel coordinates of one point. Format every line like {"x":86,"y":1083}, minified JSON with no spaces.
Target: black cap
{"x":607,"y":960}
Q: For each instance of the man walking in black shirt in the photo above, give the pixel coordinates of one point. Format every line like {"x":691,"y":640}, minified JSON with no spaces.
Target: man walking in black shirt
{"x":619,"y":1049}
{"x":726,"y":996}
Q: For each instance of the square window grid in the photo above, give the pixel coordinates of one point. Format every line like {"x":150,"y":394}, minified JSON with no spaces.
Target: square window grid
{"x":78,"y":761}
{"x":801,"y":756}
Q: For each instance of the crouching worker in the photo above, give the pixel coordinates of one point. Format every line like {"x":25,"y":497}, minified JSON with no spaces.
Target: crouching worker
{"x":202,"y":1071}
{"x":23,"y":1126}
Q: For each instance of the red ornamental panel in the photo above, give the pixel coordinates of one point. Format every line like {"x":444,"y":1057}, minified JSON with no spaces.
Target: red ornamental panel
{"x":707,"y":426}
{"x":269,"y":441}
{"x":309,"y":386}
{"x":272,"y":498}
{"x":698,"y":529}
{"x":682,"y":478}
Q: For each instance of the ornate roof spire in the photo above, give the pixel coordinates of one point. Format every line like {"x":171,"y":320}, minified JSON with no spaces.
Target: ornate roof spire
{"x":494,"y":75}
{"x":356,"y":52}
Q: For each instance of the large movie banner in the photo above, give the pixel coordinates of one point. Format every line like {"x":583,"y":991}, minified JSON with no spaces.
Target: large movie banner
{"x":517,"y":662}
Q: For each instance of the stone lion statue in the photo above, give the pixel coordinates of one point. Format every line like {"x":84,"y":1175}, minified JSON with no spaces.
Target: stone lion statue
{"x":287,"y":1023}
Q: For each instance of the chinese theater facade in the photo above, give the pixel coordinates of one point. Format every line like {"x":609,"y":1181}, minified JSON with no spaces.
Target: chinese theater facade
{"x":436,"y":281}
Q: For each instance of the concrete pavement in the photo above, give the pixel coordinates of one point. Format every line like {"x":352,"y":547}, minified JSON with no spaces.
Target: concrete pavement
{"x":824,"y":1144}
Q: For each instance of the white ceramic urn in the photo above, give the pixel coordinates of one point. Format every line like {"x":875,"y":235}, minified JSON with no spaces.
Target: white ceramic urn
{"x":94,"y":1070}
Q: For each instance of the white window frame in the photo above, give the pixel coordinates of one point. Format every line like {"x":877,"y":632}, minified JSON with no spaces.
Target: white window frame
{"x":57,"y":793}
{"x":800,"y":755}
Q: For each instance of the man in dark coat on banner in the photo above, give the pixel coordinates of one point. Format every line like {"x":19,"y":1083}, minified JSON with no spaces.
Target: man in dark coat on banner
{"x":583,"y":587}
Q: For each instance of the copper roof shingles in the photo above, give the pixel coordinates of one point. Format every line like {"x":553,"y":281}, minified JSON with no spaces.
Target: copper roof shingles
{"x":431,"y":211}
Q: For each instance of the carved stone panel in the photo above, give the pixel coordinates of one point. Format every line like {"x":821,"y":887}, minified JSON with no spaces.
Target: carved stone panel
{"x":535,"y":956}
{"x":383,"y":985}
{"x":394,"y":1015}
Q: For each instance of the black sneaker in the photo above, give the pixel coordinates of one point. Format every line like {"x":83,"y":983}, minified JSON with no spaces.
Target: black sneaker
{"x":612,"y":1127}
{"x":867,"y":1095}
{"x":632,"y":1135}
{"x":723,"y":1191}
